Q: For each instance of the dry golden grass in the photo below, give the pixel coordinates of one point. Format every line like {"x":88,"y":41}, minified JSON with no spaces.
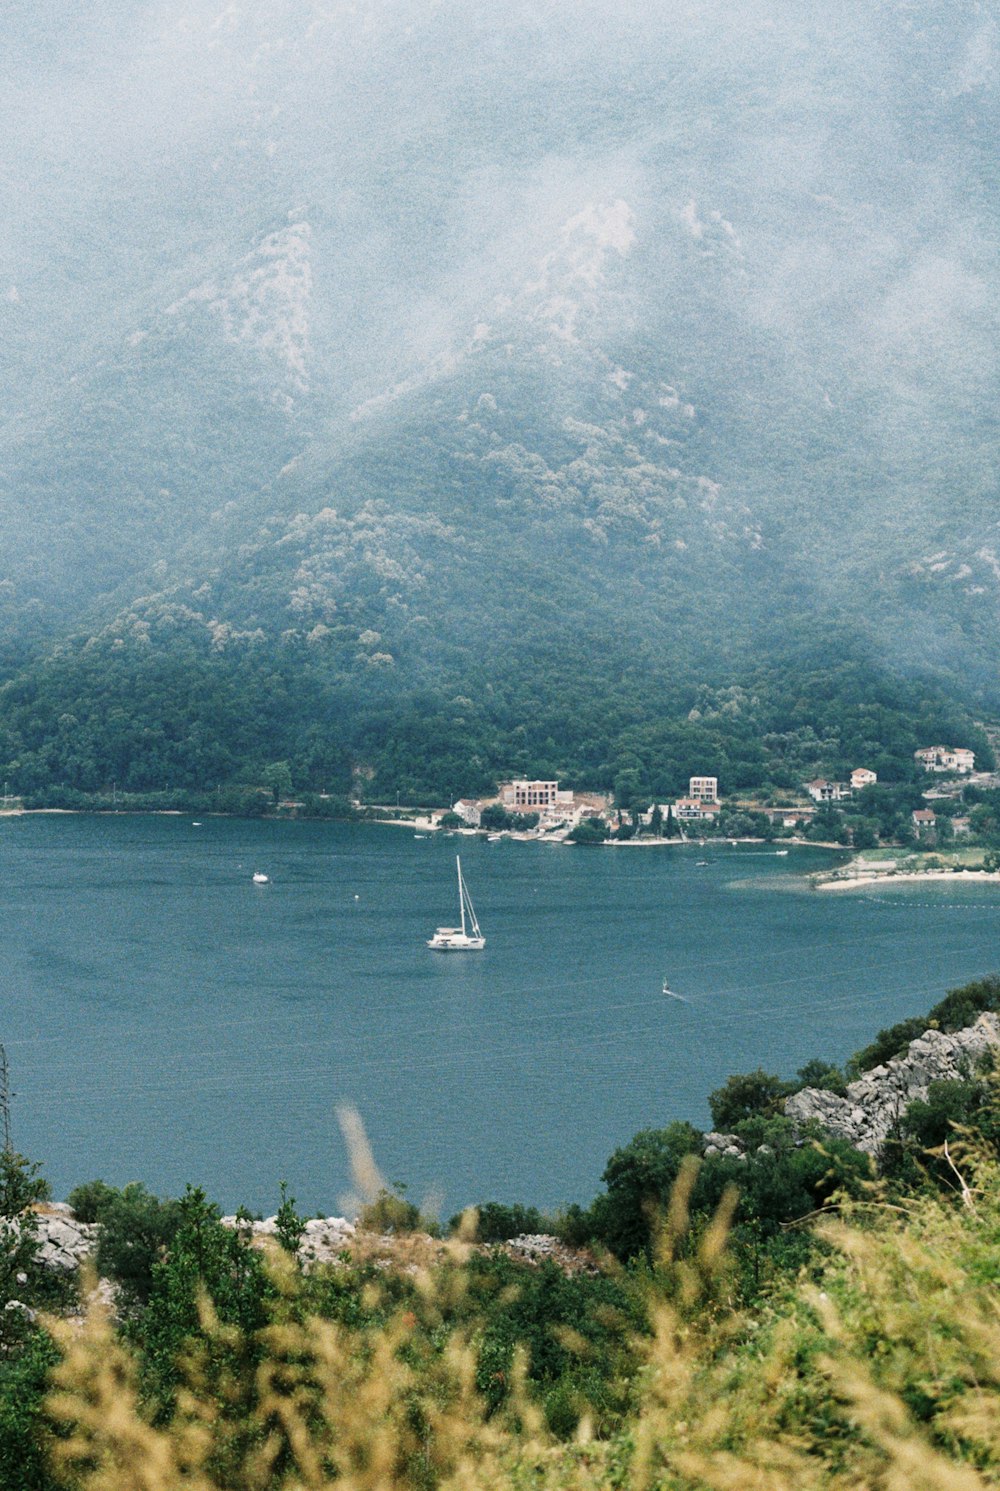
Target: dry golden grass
{"x":881,"y":1372}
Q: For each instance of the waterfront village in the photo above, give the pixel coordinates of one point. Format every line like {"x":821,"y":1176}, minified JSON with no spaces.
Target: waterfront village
{"x":858,"y":813}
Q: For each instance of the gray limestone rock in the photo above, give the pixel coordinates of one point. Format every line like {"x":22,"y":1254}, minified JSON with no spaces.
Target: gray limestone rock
{"x":323,"y":1238}
{"x":878,"y":1099}
{"x":25,"y":1311}
{"x":721,"y":1142}
{"x":63,"y":1242}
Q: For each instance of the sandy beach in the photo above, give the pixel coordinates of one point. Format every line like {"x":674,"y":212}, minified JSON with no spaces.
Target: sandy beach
{"x":901,"y":877}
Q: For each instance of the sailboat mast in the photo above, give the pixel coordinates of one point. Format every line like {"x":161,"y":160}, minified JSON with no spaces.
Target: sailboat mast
{"x":461,"y":892}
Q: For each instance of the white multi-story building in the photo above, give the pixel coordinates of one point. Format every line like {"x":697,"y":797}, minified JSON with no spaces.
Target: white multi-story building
{"x":704,"y":789}
{"x":551,"y":802}
{"x":946,"y":758}
{"x":529,"y":797}
{"x":862,"y":777}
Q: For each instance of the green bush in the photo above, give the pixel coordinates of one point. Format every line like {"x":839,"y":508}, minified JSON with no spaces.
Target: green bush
{"x":744,"y":1095}
{"x":390,"y":1212}
{"x":23,"y":1384}
{"x":90,"y":1200}
{"x":136,"y":1228}
{"x":496,"y":1222}
{"x":590,"y":831}
{"x":639,"y":1178}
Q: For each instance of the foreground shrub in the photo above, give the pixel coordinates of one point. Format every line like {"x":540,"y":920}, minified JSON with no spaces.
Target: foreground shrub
{"x":878,"y":1367}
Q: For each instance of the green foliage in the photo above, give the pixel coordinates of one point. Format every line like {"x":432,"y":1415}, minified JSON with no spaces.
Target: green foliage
{"x":744,"y":1095}
{"x":23,"y":1438}
{"x":575,"y":1330}
{"x":156,"y":712}
{"x":961,"y":1007}
{"x":91,"y":1200}
{"x":496,"y":819}
{"x":201,"y":1258}
{"x":639,"y":1178}
{"x":289,"y":1225}
{"x":590,"y":831}
{"x":390,"y":1212}
{"x":136,"y":1228}
{"x":887,"y":1044}
{"x":864,"y":835}
{"x":21,"y":1184}
{"x":278,"y":777}
{"x":958,"y":1111}
{"x":21,"y":1279}
{"x":496,"y":1221}
{"x":823,"y":1075}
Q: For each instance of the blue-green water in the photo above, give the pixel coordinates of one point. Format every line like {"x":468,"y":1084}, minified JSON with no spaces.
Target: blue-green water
{"x":167,"y":1020}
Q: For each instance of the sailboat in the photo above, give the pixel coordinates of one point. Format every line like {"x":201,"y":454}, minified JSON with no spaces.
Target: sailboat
{"x":467,"y":937}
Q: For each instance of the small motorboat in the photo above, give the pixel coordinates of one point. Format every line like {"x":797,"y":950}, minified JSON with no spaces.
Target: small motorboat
{"x":259,"y":878}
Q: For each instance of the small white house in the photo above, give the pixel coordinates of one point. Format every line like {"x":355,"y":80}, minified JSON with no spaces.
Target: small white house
{"x":691,"y":810}
{"x":820,"y":790}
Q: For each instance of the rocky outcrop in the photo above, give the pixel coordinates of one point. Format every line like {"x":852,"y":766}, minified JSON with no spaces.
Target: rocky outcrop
{"x":730,"y":1145}
{"x":323,"y":1238}
{"x":878,"y":1099}
{"x":63,"y":1242}
{"x":542,"y":1247}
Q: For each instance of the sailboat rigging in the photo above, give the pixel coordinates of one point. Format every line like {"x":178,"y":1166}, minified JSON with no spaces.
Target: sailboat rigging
{"x":467,"y":937}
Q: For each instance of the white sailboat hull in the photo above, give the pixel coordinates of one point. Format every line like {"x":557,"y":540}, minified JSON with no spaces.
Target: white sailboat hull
{"x":447,"y":941}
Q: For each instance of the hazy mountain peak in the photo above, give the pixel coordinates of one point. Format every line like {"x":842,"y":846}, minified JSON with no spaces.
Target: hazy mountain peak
{"x":667,"y":314}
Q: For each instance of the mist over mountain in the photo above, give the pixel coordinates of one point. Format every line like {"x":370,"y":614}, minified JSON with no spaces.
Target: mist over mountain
{"x":583,"y":366}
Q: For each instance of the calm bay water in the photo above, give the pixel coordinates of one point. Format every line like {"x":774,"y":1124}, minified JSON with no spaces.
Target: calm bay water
{"x":167,"y":1020}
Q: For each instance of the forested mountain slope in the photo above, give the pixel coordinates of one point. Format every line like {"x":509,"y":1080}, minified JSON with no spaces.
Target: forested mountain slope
{"x":446,"y":393}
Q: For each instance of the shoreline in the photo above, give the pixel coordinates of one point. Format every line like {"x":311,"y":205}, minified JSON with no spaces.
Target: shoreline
{"x":423,"y":825}
{"x":899,"y":877}
{"x":831,"y":880}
